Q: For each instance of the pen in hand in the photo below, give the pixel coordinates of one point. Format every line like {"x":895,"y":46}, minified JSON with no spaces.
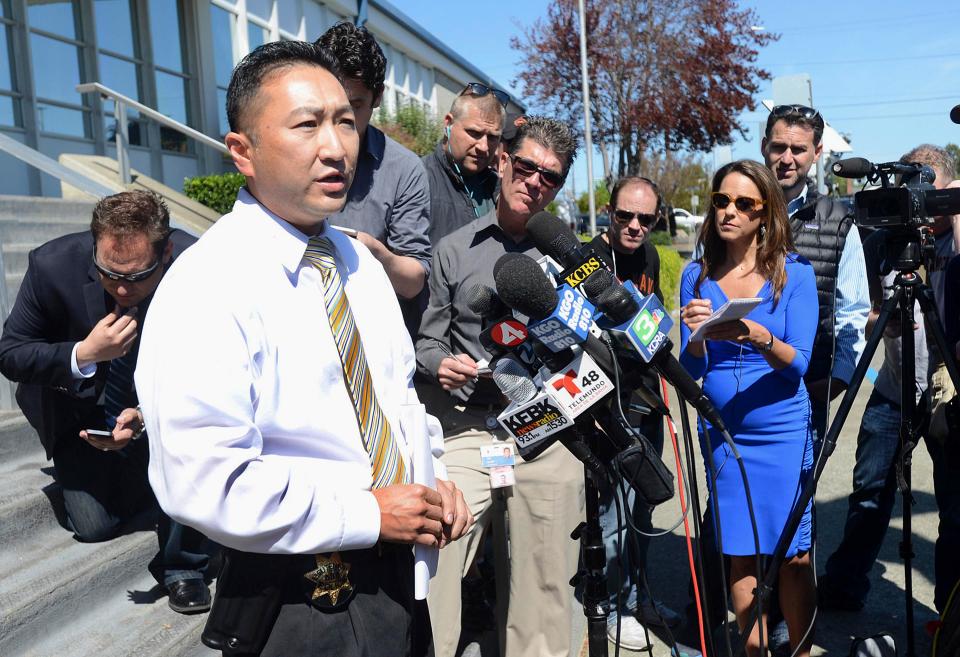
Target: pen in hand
{"x":445,"y":349}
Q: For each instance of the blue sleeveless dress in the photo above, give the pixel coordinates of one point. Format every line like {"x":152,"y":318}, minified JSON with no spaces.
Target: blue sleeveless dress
{"x":766,"y":411}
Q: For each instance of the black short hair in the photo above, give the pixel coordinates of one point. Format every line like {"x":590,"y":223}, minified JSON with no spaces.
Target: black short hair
{"x":253,"y":69}
{"x":552,"y":134}
{"x":816,"y":124}
{"x":358,"y":54}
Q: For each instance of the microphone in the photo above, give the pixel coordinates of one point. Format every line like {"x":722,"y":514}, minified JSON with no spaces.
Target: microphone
{"x":853,"y":167}
{"x":634,"y":457}
{"x":485,"y":302}
{"x":955,"y":114}
{"x":524,"y":287}
{"x":558,"y":321}
{"x":583,"y":265}
{"x":527,"y":408}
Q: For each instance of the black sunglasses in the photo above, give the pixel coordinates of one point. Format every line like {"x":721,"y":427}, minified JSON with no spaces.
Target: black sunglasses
{"x":743,"y":203}
{"x":624,"y":218}
{"x":477,"y":89}
{"x":526,"y":168}
{"x":135,"y":277}
{"x":808,"y":113}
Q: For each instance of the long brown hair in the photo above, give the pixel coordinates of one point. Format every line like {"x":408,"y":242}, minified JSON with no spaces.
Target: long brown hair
{"x":775,"y":242}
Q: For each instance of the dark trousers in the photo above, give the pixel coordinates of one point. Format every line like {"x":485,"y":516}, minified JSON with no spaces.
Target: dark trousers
{"x":381,"y":619}
{"x":102,"y":490}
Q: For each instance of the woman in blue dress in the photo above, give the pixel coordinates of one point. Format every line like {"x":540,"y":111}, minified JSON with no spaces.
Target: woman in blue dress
{"x":752,"y":370}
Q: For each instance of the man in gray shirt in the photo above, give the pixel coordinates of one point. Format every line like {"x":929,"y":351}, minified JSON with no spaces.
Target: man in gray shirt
{"x":547,"y":501}
{"x":388,"y":202}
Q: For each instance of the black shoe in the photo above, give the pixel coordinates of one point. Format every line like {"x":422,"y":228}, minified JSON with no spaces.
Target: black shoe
{"x":189,"y":596}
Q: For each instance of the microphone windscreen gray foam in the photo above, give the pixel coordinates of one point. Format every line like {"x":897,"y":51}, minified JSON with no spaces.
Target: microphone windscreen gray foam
{"x":514,"y":381}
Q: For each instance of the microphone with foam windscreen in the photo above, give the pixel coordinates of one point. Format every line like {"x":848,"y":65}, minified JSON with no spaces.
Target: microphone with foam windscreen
{"x":955,"y":114}
{"x":852,"y":167}
{"x":584,"y":268}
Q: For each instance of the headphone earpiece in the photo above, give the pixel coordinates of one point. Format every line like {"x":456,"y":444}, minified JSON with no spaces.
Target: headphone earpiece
{"x":447,"y":130}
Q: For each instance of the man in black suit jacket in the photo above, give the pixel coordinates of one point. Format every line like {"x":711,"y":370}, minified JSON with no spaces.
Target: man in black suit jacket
{"x":71,"y":341}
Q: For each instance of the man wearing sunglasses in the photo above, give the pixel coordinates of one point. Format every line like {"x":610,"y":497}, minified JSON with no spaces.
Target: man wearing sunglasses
{"x":547,"y":500}
{"x":463,"y":183}
{"x":72,"y":341}
{"x":823,"y":233}
{"x":388,"y":203}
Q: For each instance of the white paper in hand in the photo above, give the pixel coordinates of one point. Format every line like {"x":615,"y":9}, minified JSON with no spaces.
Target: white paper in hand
{"x":728,"y":312}
{"x":414,"y":423}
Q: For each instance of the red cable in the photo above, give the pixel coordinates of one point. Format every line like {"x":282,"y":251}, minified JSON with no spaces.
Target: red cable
{"x":686,"y":519}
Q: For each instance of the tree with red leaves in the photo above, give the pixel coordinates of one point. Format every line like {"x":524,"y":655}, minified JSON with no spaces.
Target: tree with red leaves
{"x":664,"y":74}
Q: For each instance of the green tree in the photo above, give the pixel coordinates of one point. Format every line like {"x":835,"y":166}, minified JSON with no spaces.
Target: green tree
{"x":601,"y":197}
{"x":954,"y":150}
{"x":412,"y":126}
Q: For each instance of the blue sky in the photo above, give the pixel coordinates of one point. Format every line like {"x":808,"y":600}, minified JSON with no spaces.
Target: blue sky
{"x":886,"y":73}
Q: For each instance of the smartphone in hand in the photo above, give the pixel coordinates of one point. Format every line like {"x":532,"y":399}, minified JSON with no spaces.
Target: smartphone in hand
{"x":99,"y":433}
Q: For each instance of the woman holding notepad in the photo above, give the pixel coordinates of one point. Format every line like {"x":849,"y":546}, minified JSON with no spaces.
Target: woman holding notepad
{"x":752,"y":361}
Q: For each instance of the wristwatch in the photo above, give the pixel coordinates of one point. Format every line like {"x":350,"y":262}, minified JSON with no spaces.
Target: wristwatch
{"x":767,"y":346}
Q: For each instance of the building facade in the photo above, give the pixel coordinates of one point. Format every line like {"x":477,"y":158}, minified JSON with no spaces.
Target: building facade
{"x":176,"y":56}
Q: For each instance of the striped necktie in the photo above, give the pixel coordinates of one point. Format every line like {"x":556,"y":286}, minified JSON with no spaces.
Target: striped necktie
{"x":119,"y":393}
{"x":378,"y":439}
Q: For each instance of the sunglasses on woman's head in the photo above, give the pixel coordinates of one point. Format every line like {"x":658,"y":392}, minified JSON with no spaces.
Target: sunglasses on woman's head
{"x":743,"y":203}
{"x":477,"y":89}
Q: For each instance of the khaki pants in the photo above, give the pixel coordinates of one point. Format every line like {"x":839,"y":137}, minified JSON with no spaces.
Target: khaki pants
{"x":544,"y":506}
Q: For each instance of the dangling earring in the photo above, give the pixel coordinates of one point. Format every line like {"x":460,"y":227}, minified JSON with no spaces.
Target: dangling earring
{"x":763,"y":232}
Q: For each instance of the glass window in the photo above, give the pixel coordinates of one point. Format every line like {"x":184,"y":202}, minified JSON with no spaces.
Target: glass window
{"x":172,"y":96}
{"x":8,"y":111}
{"x":61,"y":120}
{"x":120,"y":75}
{"x":222,"y":23}
{"x":6,"y":60}
{"x":165,"y":34}
{"x":115,"y":26}
{"x":262,"y":8}
{"x":57,"y":67}
{"x":57,"y":16}
{"x":256,"y":36}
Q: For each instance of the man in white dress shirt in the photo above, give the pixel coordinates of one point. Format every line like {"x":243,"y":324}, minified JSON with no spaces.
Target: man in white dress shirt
{"x":275,"y":375}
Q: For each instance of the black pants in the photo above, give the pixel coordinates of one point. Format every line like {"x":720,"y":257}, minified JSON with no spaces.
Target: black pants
{"x":381,"y":619}
{"x":102,"y":490}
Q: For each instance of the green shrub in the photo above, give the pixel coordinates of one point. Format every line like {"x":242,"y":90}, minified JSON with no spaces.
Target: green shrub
{"x":661,"y":238}
{"x":671,"y":264}
{"x":217,"y":192}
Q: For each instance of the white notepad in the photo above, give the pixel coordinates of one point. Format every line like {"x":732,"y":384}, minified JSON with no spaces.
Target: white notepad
{"x":731,"y":310}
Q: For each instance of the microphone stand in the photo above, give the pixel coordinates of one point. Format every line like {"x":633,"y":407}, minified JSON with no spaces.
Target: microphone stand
{"x":593,"y":559}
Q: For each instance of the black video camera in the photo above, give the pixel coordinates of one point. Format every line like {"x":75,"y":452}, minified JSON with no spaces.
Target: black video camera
{"x":912,"y":203}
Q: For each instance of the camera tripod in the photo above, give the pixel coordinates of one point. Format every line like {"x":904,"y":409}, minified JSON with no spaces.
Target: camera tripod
{"x":904,"y":254}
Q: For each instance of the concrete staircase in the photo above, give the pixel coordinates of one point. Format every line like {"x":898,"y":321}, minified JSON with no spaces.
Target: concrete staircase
{"x":63,"y":598}
{"x":26,"y":222}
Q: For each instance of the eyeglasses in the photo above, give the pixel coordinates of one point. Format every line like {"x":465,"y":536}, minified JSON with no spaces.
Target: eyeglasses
{"x":624,"y":218}
{"x":743,"y":203}
{"x":135,"y":277}
{"x":526,"y":168}
{"x":808,"y":113}
{"x":477,"y":89}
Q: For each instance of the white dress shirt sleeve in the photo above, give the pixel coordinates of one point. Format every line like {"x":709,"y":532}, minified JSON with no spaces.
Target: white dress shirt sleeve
{"x":853,"y":306}
{"x":197,"y":380}
{"x":78,"y":372}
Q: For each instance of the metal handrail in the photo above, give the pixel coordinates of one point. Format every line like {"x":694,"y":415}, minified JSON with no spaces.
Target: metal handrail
{"x":120,"y":103}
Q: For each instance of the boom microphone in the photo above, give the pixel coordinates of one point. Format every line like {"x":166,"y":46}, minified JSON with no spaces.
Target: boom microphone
{"x":853,"y":167}
{"x":955,"y":114}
